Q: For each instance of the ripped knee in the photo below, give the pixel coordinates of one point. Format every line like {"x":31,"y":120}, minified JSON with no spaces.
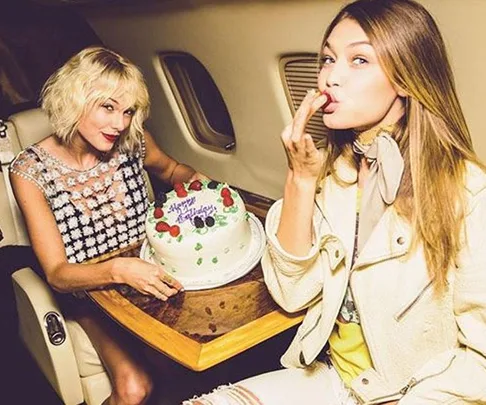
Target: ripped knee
{"x":226,"y":395}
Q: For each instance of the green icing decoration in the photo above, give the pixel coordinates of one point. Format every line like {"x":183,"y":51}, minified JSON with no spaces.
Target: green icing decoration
{"x":231,"y":209}
{"x":215,"y":260}
{"x":227,"y":250}
{"x":199,"y":261}
{"x":198,"y":246}
{"x":220,"y":220}
{"x":179,"y":238}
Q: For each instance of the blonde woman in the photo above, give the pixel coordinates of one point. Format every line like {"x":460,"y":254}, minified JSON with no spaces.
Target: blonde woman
{"x":82,"y":193}
{"x":381,"y":237}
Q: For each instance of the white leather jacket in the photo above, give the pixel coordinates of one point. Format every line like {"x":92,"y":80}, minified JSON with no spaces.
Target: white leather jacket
{"x":425,"y":349}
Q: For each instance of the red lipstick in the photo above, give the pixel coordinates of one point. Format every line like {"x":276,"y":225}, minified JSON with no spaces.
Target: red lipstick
{"x":110,"y":138}
{"x":328,"y":101}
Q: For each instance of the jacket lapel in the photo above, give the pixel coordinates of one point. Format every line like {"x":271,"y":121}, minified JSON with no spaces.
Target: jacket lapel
{"x":338,"y":205}
{"x":390,"y":238}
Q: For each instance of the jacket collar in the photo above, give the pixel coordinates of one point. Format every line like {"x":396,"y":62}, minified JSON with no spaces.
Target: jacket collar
{"x":338,"y":205}
{"x":392,"y":235}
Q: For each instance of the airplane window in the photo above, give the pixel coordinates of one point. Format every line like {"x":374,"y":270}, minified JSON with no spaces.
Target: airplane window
{"x":299,"y":74}
{"x":200,"y":101}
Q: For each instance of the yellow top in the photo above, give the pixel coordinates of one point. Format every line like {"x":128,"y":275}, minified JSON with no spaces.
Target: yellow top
{"x":349,"y":354}
{"x":348,"y":350}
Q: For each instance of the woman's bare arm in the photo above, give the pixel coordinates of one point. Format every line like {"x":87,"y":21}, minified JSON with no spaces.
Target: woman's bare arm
{"x":66,"y":277}
{"x":164,"y":167}
{"x":305,"y":162}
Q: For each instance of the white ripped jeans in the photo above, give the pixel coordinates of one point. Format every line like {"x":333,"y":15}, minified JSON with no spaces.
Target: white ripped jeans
{"x":319,"y":384}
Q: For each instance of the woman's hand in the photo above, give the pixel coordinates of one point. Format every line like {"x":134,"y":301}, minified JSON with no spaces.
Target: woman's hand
{"x":303,"y":157}
{"x":146,"y":278}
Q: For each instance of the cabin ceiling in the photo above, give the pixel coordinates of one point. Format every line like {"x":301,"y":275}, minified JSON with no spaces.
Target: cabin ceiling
{"x":240,"y":43}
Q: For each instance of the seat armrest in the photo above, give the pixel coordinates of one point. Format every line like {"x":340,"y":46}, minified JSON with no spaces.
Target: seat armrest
{"x":36,"y":308}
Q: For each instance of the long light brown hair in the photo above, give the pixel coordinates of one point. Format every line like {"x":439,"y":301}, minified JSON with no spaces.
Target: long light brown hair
{"x":433,"y":136}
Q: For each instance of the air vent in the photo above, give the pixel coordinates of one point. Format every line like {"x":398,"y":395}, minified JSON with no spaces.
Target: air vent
{"x":199,"y":100}
{"x":299,"y":74}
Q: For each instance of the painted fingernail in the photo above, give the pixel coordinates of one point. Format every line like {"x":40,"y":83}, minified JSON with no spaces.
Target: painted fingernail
{"x":311,"y":92}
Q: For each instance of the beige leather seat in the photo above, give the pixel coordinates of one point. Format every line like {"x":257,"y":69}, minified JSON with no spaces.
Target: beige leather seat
{"x":59,"y":346}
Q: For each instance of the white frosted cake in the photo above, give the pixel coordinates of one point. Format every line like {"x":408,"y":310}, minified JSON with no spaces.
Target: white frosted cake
{"x":198,"y":230}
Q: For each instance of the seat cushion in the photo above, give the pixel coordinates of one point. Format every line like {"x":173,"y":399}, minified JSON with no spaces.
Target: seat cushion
{"x":7,"y":224}
{"x":89,"y":363}
{"x":31,"y":126}
{"x":11,"y":220}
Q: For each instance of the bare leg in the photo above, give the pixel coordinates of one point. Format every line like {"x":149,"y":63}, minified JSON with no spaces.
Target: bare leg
{"x":131,"y":383}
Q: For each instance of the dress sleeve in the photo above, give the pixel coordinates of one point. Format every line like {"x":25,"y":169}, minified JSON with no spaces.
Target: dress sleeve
{"x":28,"y":165}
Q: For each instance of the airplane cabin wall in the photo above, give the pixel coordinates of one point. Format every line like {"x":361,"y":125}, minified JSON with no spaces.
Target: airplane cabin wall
{"x":240,"y":43}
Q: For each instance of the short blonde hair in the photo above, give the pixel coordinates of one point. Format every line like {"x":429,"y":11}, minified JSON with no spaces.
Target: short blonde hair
{"x":88,"y":79}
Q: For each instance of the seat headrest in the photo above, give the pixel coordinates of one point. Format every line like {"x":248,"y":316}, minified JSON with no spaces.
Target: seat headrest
{"x":31,"y":126}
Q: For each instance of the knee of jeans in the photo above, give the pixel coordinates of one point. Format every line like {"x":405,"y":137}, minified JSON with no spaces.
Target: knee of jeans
{"x":226,"y":395}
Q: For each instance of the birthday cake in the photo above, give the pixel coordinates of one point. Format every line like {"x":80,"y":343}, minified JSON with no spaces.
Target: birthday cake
{"x":202,"y":234}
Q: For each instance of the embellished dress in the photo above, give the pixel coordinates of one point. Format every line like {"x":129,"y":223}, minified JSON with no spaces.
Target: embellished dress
{"x":98,"y":210}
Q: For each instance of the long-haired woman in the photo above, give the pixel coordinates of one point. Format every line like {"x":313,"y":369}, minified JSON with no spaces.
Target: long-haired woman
{"x":380,"y":234}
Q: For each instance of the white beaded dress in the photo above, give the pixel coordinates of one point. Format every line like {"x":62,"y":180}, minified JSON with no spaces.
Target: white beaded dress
{"x":97,"y":210}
